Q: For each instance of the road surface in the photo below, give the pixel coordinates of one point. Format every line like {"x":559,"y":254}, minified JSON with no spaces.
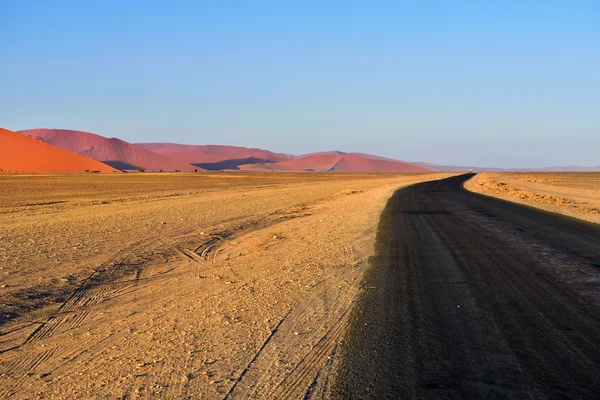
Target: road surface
{"x":474,"y":297}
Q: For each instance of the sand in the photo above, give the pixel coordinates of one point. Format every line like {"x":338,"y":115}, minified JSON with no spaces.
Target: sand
{"x":19,"y":153}
{"x":181,"y":285}
{"x":332,"y":161}
{"x":114,"y":152}
{"x":230,"y":157}
{"x":212,"y":154}
{"x":576,"y":194}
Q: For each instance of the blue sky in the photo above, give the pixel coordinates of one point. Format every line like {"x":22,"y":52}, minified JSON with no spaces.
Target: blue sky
{"x":505,"y":84}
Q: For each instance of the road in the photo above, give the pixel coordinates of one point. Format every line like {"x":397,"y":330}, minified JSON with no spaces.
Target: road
{"x":474,"y":297}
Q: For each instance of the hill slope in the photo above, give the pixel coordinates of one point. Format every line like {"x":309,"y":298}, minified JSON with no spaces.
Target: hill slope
{"x":360,"y":163}
{"x":114,"y":152}
{"x":340,"y":162}
{"x":214,"y":157}
{"x":20,"y":153}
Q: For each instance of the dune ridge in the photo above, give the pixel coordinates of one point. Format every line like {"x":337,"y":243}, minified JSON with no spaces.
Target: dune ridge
{"x":213,"y":157}
{"x":114,"y":152}
{"x":122,"y":155}
{"x":340,"y":162}
{"x":19,"y":153}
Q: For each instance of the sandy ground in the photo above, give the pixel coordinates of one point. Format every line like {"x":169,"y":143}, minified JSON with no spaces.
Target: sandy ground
{"x":181,"y":285}
{"x":574,"y":194}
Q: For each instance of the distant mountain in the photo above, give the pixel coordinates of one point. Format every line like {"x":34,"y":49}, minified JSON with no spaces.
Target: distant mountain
{"x":373,"y":157}
{"x":172,"y":157}
{"x":19,"y":153}
{"x":454,"y":168}
{"x":114,"y":152}
{"x":215,"y":157}
{"x":569,"y":168}
{"x":341,"y":153}
{"x":339,"y":162}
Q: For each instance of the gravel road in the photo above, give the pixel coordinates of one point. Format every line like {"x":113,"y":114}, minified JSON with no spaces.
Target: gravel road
{"x":473,"y":297}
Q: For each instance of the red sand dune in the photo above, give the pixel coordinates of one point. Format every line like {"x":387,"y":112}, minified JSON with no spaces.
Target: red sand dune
{"x":248,"y":159}
{"x":213,"y":157}
{"x":340,"y":162}
{"x":316,"y":162}
{"x":114,"y":152}
{"x":353,"y":163}
{"x":373,"y":157}
{"x":19,"y":153}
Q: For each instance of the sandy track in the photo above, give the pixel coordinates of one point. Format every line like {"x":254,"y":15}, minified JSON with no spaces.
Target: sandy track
{"x":191,"y":292}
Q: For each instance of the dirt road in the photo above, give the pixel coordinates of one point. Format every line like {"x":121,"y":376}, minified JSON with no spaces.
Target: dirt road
{"x":474,"y":297}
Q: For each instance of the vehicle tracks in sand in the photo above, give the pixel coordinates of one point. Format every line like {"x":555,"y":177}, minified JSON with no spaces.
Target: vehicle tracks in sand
{"x":257,"y":381}
{"x":32,"y":343}
{"x":31,"y":354}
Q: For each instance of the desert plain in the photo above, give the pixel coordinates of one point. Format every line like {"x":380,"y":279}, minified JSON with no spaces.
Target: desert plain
{"x":575,"y":194}
{"x":184,"y":285}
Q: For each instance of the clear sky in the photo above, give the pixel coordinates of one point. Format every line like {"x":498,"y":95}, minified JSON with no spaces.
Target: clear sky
{"x":489,"y":83}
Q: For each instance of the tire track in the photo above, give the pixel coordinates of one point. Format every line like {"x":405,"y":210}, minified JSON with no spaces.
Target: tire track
{"x":287,"y":336}
{"x":303,"y":379}
{"x":257,"y":357}
{"x":71,"y":314}
{"x":90,"y":293}
{"x":299,"y":381}
{"x":106,"y":283}
{"x":208,"y":248}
